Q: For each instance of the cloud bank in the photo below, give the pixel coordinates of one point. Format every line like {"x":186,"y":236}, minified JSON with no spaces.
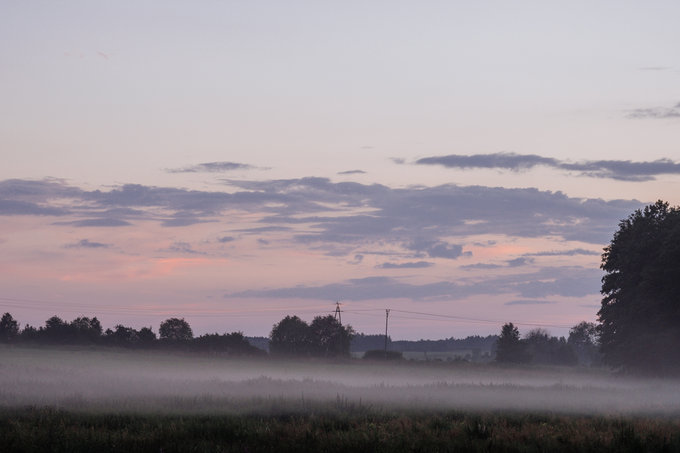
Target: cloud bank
{"x":423,"y":222}
{"x":656,"y":113}
{"x":406,"y":228}
{"x":87,"y":244}
{"x":565,"y":281}
{"x":212,"y":167}
{"x":622,"y":170}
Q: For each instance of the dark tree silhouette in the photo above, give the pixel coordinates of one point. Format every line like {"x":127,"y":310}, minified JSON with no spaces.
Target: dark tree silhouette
{"x":230,"y":343}
{"x":146,"y":336}
{"x":324,"y":337}
{"x":86,"y":330}
{"x":56,"y":330}
{"x":548,"y":350}
{"x":291,"y":336}
{"x":640,"y":312}
{"x":584,"y":339}
{"x":509,"y":347}
{"x":329,"y":337}
{"x":122,"y":336}
{"x":9,"y":328}
{"x":29,"y":333}
{"x":175,"y":329}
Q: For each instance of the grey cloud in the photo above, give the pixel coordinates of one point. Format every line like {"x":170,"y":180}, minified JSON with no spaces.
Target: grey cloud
{"x":482,"y":266}
{"x":184,"y":220}
{"x":516,"y":262}
{"x":401,"y":215}
{"x":558,"y":281}
{"x":529,"y":302}
{"x":573,"y":286}
{"x":435,"y":248}
{"x":321,"y":213}
{"x":521,"y":261}
{"x":39,"y":191}
{"x":137,"y":195}
{"x":321,"y":189}
{"x":103,"y":222}
{"x":224,"y":239}
{"x":332,"y":250}
{"x":358,"y":289}
{"x":507,"y":161}
{"x":183,"y":247}
{"x":656,"y":113}
{"x":123,"y":213}
{"x":407,"y":265}
{"x":352,"y":172}
{"x":212,"y":167}
{"x":266,"y":229}
{"x":572,"y":252}
{"x":263,"y":241}
{"x":14,"y":207}
{"x":86,"y":243}
{"x":358,"y":258}
{"x":623,"y":170}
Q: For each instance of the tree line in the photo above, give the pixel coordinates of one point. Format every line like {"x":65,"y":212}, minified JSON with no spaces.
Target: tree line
{"x":173,"y":333}
{"x":538,"y":347}
{"x":323,"y":337}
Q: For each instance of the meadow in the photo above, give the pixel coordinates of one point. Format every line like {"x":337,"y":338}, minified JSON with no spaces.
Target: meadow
{"x":94,"y":399}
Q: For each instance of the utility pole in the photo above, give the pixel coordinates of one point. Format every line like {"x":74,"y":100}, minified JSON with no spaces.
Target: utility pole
{"x":337,"y":315}
{"x":387,"y":315}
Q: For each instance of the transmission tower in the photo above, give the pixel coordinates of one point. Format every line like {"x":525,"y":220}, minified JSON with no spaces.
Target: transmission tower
{"x":338,"y":312}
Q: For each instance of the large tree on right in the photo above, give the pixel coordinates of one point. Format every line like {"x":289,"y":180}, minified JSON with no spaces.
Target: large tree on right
{"x":640,"y":313}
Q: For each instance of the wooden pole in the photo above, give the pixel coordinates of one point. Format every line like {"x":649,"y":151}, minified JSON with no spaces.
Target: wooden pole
{"x":387,"y":315}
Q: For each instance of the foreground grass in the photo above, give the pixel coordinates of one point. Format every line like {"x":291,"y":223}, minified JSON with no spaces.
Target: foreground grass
{"x":348,"y":429}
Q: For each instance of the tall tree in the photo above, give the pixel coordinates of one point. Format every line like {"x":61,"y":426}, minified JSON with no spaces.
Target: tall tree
{"x":122,"y":336}
{"x":542,"y":348}
{"x":86,"y":330}
{"x":509,"y":347}
{"x":56,"y":330}
{"x":640,"y":312}
{"x":175,"y":329}
{"x":9,"y":328}
{"x":291,"y":336}
{"x":146,"y":336}
{"x":329,"y":337}
{"x":584,"y":338}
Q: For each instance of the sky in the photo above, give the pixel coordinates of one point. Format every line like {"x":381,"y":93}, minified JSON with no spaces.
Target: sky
{"x":462,"y":164}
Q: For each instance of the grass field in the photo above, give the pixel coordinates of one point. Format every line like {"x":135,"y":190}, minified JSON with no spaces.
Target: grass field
{"x":85,"y":399}
{"x":332,"y":429}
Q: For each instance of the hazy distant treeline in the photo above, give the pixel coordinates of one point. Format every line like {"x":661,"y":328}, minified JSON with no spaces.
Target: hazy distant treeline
{"x":325,"y":336}
{"x":174,"y":333}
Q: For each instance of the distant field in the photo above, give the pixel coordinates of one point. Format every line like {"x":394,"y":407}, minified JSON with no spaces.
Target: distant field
{"x":91,"y":399}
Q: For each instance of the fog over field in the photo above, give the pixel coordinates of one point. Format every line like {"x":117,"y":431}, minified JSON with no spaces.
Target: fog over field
{"x":153,"y":381}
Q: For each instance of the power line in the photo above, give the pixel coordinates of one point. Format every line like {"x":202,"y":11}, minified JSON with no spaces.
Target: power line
{"x":80,"y":307}
{"x":478,"y":320}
